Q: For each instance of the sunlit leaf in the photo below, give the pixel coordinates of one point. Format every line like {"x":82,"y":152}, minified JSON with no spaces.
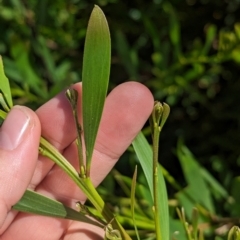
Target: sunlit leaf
{"x":133,"y":190}
{"x":95,"y":77}
{"x":145,"y":155}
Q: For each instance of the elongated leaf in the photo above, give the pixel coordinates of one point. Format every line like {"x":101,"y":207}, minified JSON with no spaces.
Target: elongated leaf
{"x":35,"y":203}
{"x":95,"y":77}
{"x":216,"y":188}
{"x":144,"y":154}
{"x":4,"y":86}
{"x":133,"y":190}
{"x":20,"y":52}
{"x":125,"y":53}
{"x":174,"y":28}
{"x":198,"y":188}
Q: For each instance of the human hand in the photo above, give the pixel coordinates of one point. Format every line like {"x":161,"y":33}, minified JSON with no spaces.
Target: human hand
{"x":126,"y":110}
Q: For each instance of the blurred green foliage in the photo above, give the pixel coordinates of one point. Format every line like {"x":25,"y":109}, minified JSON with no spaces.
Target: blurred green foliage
{"x":188,"y":54}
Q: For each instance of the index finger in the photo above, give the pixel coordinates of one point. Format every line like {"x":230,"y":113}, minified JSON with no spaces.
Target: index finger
{"x":59,"y":129}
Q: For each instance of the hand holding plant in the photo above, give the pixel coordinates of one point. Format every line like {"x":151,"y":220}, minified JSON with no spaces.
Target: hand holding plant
{"x":84,"y":138}
{"x":20,"y":167}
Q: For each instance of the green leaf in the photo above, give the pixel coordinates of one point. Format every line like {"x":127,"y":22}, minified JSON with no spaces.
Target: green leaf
{"x":198,"y":188}
{"x":125,"y":53}
{"x":210,"y":36}
{"x":217,"y":190}
{"x":174,"y":28}
{"x":235,"y":194}
{"x":145,"y":155}
{"x":177,"y":229}
{"x":4,"y":86}
{"x":237,"y":30}
{"x":195,"y":218}
{"x":133,"y":190}
{"x":20,"y":52}
{"x":44,"y":52}
{"x":35,"y":203}
{"x":95,"y":77}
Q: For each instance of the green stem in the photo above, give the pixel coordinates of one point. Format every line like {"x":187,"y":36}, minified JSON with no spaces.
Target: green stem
{"x":156,"y":135}
{"x":79,"y":146}
{"x":85,"y":184}
{"x":157,"y":120}
{"x":72,"y":96}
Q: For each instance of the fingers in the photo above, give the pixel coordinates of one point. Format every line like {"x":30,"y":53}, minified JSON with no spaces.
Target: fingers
{"x":58,"y":127}
{"x":19,"y":140}
{"x":126,"y":110}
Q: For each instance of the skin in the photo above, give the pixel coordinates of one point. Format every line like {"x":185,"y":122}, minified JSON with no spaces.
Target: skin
{"x":126,"y":110}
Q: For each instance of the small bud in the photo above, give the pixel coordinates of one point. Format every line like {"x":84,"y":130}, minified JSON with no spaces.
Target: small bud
{"x":159,"y":115}
{"x":72,"y":96}
{"x":234,"y":233}
{"x":157,"y":112}
{"x":165,"y":114}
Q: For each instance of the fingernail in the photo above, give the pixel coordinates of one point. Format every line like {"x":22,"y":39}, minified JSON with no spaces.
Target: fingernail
{"x":14,"y":128}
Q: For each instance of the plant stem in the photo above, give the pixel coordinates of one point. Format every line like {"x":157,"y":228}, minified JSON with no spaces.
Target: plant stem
{"x":157,"y":120}
{"x":72,"y":96}
{"x":156,"y":135}
{"x":85,"y":184}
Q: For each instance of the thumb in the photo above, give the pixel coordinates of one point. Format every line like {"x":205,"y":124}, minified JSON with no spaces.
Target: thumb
{"x":19,"y":140}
